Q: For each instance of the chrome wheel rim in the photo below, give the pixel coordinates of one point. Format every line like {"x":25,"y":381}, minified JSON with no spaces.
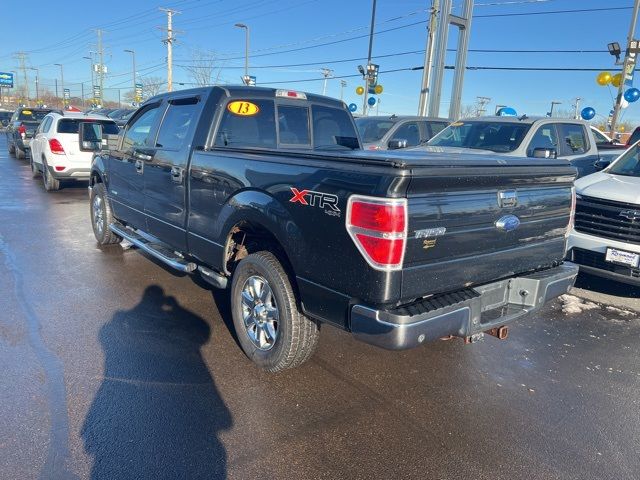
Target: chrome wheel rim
{"x":98,"y":217}
{"x":260,"y":312}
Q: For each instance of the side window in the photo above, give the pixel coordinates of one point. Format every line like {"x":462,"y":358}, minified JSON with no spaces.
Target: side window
{"x":293,"y":125}
{"x":176,"y":122}
{"x":333,"y":128}
{"x":545,"y":137}
{"x":574,"y":139}
{"x":600,"y":138}
{"x":409,"y":132}
{"x":139,"y":132}
{"x":247,"y":123}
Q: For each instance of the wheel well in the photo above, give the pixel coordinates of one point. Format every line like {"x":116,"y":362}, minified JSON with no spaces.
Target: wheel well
{"x":95,"y":179}
{"x":246,"y":238}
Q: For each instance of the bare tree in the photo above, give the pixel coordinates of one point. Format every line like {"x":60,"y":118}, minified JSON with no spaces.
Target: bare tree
{"x":151,"y":86}
{"x":468,"y":111}
{"x":204,"y":68}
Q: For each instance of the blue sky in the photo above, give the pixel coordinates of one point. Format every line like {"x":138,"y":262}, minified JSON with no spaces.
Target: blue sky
{"x":66,"y":34}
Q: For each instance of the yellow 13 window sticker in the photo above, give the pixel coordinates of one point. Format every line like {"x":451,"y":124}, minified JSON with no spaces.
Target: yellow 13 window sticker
{"x":243,"y":108}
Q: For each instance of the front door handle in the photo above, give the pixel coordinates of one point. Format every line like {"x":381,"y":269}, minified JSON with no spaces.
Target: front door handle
{"x":139,"y":166}
{"x":142,"y":156}
{"x":177,"y":174}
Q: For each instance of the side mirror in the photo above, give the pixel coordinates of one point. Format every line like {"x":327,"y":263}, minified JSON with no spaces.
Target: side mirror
{"x":397,"y":143}
{"x":602,"y":163}
{"x":545,"y":153}
{"x":90,"y":137}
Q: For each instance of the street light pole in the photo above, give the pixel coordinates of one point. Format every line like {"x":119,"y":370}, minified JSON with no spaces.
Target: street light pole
{"x":627,"y":68}
{"x":343,"y":83}
{"x":61,"y":81}
{"x":90,"y":58}
{"x":246,"y":51}
{"x":133,"y":56}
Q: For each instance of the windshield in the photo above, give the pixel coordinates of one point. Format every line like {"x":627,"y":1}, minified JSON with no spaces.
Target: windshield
{"x":32,"y":115}
{"x":494,"y":136}
{"x":69,"y":125}
{"x":628,"y":164}
{"x":373,"y":129}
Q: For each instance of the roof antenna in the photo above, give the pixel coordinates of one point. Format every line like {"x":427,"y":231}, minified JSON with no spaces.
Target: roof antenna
{"x":523,"y":117}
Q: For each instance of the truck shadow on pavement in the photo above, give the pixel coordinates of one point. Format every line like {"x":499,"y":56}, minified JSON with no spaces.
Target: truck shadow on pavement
{"x":606,"y":286}
{"x":158,"y":412}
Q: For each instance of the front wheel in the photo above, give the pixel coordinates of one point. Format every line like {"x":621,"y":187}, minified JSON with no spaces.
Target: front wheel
{"x":101,"y":216}
{"x":273,"y":333}
{"x":20,"y":154}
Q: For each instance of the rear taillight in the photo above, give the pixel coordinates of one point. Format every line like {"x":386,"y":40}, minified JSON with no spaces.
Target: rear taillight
{"x":378,"y":227}
{"x":22,"y":130}
{"x":56,"y":147}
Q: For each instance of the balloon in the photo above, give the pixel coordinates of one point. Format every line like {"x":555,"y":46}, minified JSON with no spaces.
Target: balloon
{"x":616,"y":80}
{"x":359,"y":90}
{"x":371,"y":101}
{"x":587,"y":113}
{"x":621,"y":128}
{"x":604,"y":78}
{"x":506,"y":112}
{"x":353,"y":107}
{"x":631,"y":95}
{"x":623,"y":103}
{"x":378,"y":89}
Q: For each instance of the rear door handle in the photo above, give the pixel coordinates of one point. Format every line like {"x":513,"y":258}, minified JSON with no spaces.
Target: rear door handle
{"x":177,"y":174}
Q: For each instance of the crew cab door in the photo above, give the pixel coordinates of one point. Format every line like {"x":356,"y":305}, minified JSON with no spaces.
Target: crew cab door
{"x":165,"y":176}
{"x":127,"y":166}
{"x":575,"y":146}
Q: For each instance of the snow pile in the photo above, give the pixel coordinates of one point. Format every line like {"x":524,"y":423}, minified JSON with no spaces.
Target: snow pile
{"x":572,"y":304}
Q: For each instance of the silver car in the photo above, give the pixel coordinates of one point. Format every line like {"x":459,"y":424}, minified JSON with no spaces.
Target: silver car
{"x":393,"y":132}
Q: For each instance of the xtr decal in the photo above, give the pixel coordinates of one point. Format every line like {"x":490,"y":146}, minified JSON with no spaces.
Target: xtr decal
{"x":311,"y":198}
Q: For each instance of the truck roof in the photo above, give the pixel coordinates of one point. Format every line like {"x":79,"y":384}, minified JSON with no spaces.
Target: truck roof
{"x":254,"y":92}
{"x":521,"y":119}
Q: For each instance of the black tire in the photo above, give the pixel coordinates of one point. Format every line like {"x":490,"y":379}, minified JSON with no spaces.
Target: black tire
{"x":296,"y":335}
{"x":103,"y":235}
{"x":35,"y":171}
{"x":50,"y":184}
{"x":20,"y":155}
{"x":11,"y":147}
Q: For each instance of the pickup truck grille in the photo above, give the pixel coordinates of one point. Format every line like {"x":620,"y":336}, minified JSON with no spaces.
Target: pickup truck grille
{"x":597,"y":260}
{"x":603,"y":218}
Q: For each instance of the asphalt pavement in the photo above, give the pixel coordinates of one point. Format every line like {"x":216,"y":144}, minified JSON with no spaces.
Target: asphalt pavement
{"x":114,"y":367}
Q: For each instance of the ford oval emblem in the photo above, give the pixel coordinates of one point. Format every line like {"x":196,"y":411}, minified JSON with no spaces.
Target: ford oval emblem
{"x":508,"y":223}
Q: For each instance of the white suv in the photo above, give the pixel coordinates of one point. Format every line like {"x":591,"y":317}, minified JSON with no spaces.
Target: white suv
{"x":55,"y":150}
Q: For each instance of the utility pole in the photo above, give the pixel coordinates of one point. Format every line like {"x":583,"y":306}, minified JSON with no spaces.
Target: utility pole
{"x":326,"y":72}
{"x":37,"y":81}
{"x":482,"y":103}
{"x":169,"y":42}
{"x":428,"y":58}
{"x":627,"y":69}
{"x":343,"y":83}
{"x":61,"y":82}
{"x":21,"y":57}
{"x":101,"y":66}
{"x":366,"y":77}
{"x":576,"y":106}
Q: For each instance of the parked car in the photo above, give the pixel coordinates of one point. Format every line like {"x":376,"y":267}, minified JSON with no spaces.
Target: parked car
{"x":55,"y":152}
{"x":269,"y":193}
{"x":122,"y":121}
{"x":533,"y":137}
{"x":5,"y":118}
{"x":394,"y":132}
{"x":21,"y":128}
{"x":606,"y":238}
{"x":121,"y":115}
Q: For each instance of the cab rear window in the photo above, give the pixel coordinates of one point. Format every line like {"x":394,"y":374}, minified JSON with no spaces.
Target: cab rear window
{"x":262,"y":124}
{"x":70,"y":125}
{"x":32,"y":115}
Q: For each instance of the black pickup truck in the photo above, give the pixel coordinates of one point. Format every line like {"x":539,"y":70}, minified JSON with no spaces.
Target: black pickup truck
{"x":268,"y":192}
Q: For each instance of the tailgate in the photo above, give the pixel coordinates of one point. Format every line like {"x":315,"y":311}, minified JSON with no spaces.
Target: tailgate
{"x":31,"y":128}
{"x":473,"y":225}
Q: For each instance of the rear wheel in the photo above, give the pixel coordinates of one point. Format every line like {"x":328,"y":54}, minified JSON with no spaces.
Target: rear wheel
{"x":11,"y":147}
{"x":50,"y":184}
{"x":270,"y":328}
{"x":101,"y":216}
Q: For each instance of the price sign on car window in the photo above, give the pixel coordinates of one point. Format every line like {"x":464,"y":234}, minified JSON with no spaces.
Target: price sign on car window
{"x":243,"y":108}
